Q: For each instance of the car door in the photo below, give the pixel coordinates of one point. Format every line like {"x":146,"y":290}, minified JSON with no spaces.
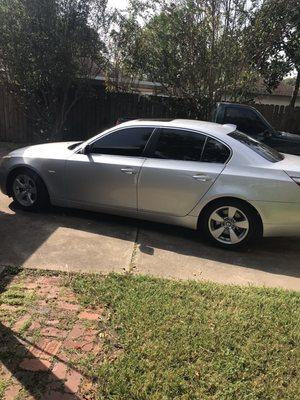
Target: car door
{"x":181,"y":167}
{"x":106,"y":176}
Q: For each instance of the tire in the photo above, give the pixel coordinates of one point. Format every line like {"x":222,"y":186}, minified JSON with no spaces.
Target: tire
{"x":28,"y":190}
{"x":230,"y":224}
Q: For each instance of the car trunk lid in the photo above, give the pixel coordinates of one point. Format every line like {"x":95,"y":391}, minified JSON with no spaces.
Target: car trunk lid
{"x":290,"y":164}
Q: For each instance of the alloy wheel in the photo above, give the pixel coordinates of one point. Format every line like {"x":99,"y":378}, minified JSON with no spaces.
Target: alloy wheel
{"x":25,"y":190}
{"x":228,"y":225}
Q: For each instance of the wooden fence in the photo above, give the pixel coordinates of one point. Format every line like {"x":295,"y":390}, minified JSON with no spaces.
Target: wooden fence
{"x":93,"y":114}
{"x":13,"y":123}
{"x":283,"y":118}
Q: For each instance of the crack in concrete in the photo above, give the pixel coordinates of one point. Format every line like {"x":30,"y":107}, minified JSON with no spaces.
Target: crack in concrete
{"x":132,"y":262}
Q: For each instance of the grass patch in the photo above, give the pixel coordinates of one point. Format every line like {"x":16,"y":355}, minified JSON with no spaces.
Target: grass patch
{"x":189,"y":340}
{"x":25,"y":326}
{"x":3,"y":385}
{"x":17,"y":296}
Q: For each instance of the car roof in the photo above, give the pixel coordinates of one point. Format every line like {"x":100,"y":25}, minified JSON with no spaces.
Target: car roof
{"x":201,"y":126}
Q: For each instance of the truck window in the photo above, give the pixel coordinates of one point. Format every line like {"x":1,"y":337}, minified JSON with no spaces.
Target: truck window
{"x":246,"y":120}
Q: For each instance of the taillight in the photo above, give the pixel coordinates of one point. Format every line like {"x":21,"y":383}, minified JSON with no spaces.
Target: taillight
{"x":296,"y":179}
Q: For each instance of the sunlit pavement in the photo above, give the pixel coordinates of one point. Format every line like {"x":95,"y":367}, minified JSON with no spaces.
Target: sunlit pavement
{"x":73,"y":240}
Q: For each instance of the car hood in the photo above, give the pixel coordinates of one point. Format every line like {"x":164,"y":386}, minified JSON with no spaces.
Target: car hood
{"x":290,"y":137}
{"x":47,"y":150}
{"x":290,"y":164}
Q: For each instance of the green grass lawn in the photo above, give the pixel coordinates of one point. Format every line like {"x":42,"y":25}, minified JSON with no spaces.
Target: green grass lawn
{"x":188,"y":340}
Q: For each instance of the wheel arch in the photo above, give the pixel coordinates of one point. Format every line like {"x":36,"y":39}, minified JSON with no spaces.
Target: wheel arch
{"x":20,"y":168}
{"x":231,"y":198}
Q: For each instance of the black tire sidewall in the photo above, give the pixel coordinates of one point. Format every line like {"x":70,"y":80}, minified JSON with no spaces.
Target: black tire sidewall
{"x":42,"y":199}
{"x":254,"y":226}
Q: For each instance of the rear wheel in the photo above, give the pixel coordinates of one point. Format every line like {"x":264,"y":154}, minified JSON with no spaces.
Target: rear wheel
{"x":28,"y":190}
{"x":230,"y":223}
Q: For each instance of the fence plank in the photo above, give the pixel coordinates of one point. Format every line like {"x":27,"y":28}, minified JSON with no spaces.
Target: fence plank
{"x":93,"y":114}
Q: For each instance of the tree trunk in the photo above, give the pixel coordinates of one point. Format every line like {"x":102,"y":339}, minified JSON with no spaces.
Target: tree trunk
{"x":296,"y":90}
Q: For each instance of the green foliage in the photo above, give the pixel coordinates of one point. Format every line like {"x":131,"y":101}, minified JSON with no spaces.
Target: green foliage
{"x":48,"y":48}
{"x":275,"y":30}
{"x":202,"y":51}
{"x":194,"y":49}
{"x":189,"y":340}
{"x":290,"y":81}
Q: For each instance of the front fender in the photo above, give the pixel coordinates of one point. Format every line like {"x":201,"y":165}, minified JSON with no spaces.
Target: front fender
{"x":50,"y":171}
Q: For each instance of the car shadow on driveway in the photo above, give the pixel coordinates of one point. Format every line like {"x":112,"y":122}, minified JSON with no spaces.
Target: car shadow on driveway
{"x":89,"y":237}
{"x":60,"y":239}
{"x":272,"y":258}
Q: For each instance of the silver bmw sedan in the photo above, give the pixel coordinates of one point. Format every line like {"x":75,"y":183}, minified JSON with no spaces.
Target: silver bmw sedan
{"x":201,"y":175}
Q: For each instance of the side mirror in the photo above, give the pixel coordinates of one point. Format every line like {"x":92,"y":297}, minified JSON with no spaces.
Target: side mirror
{"x":267,"y":134}
{"x":87,"y":149}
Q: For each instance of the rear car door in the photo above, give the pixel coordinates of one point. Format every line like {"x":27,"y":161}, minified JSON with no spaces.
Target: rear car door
{"x":106,"y":176}
{"x":180,"y":168}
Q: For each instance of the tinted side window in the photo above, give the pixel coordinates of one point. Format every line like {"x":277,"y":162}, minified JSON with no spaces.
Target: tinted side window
{"x":215,"y":152}
{"x":175,"y":144}
{"x":125,"y":142}
{"x":246,"y":120}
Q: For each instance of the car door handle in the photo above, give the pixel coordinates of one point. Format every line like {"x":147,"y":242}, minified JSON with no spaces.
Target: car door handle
{"x":201,"y":177}
{"x":129,"y":171}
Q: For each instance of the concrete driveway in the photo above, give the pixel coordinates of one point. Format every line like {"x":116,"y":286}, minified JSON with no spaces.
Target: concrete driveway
{"x":72,"y":240}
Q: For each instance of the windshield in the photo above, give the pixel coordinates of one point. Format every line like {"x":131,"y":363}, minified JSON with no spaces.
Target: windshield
{"x":262,"y":149}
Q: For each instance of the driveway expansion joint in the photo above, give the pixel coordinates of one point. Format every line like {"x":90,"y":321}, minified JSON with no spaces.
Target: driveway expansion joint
{"x":133,"y":259}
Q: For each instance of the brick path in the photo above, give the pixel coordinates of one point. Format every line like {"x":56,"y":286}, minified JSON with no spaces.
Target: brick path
{"x":49,"y":343}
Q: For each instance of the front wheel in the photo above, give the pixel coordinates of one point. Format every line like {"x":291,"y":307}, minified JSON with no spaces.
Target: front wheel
{"x":230,"y":224}
{"x":28,"y":190}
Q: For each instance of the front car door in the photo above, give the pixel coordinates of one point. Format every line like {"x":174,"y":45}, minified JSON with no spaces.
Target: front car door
{"x":106,"y":176}
{"x":181,"y":167}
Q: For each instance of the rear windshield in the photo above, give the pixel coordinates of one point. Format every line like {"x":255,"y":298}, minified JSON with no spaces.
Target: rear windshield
{"x":260,"y":148}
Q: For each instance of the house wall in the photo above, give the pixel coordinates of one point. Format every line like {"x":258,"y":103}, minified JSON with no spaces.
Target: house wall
{"x":276,"y":100}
